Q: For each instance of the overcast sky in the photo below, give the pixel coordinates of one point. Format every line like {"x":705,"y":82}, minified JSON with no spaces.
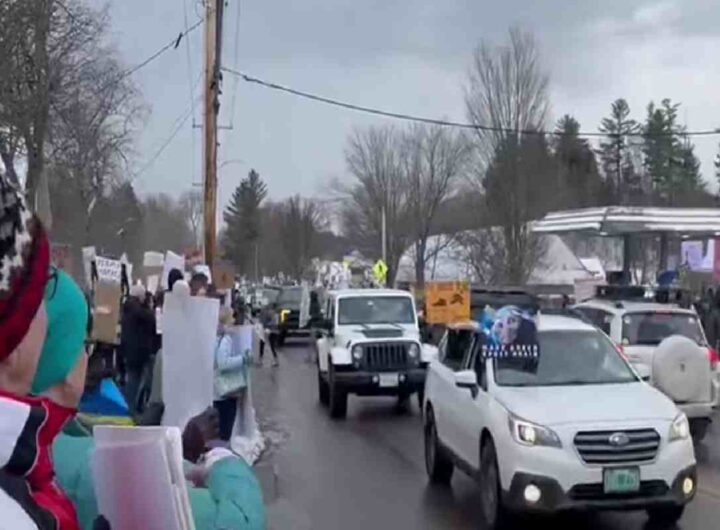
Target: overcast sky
{"x":408,"y":56}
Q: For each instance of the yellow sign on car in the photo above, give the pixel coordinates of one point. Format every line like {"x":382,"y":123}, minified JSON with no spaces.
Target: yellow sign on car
{"x":447,"y":302}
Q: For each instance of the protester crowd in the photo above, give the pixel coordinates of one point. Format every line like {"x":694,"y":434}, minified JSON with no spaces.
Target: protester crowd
{"x":48,"y":366}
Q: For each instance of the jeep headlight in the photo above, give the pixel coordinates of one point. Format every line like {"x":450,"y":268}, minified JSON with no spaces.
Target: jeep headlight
{"x":414,"y":351}
{"x":531,"y":434}
{"x":357,"y":352}
{"x":679,"y":428}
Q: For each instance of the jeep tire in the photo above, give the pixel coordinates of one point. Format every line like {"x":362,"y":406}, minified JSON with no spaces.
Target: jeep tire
{"x":338,"y":397}
{"x":323,"y":389}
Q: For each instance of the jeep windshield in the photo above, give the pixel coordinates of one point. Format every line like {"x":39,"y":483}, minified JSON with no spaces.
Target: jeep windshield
{"x":376,"y":310}
{"x":290,"y":298}
{"x":567,"y":358}
{"x":650,"y":328}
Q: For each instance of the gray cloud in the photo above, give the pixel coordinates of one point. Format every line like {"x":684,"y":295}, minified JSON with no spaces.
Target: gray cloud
{"x":409,"y":56}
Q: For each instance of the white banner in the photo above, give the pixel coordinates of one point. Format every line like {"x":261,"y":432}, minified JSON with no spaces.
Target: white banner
{"x":172,"y":261}
{"x":108,"y":269}
{"x":189,"y":328}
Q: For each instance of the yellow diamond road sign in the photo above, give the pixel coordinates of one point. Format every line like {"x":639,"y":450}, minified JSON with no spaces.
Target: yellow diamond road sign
{"x":380,"y":270}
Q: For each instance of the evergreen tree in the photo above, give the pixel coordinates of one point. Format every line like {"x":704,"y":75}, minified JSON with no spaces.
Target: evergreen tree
{"x":242,"y":218}
{"x":616,"y":151}
{"x":578,"y":172}
{"x":669,"y":155}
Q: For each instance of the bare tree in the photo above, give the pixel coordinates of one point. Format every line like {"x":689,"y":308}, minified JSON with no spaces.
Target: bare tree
{"x":507,"y":99}
{"x":373,"y":159}
{"x":191,"y":203}
{"x":299,"y":222}
{"x":432,"y":160}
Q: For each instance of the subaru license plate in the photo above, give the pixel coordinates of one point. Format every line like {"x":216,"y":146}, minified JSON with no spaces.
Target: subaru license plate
{"x":621,"y":480}
{"x":388,"y":380}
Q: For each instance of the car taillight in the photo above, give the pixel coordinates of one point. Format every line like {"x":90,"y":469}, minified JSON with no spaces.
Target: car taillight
{"x":713,"y":355}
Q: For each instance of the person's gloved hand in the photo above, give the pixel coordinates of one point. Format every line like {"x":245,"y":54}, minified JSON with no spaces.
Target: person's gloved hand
{"x":198,"y":432}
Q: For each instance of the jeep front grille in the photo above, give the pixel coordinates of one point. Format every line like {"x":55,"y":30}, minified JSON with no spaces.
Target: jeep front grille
{"x":596,"y":447}
{"x":385,"y":356}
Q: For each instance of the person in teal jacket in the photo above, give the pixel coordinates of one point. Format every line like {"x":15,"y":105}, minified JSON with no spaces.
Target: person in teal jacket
{"x":231,"y":500}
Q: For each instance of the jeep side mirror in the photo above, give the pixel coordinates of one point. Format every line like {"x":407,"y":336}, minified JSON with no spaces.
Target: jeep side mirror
{"x":467,"y":379}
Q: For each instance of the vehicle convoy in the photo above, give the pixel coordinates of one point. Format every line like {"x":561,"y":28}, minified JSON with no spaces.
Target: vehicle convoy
{"x":665,"y":341}
{"x":369,"y":345}
{"x":293,"y":303}
{"x":559,"y":421}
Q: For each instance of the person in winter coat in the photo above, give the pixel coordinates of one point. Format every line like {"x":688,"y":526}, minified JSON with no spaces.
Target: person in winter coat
{"x":711,"y":322}
{"x":137,"y":341}
{"x":227,"y":495}
{"x":43,"y":325}
{"x":230,"y":375}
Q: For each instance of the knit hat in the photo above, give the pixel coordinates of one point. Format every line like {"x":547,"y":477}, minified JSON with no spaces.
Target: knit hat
{"x":24,"y":267}
{"x":137,"y":291}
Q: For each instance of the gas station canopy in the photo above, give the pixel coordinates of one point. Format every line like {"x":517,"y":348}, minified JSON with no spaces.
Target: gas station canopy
{"x":618,"y":221}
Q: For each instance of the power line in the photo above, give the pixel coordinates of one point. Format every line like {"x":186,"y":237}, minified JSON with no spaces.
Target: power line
{"x":172,"y":44}
{"x":447,"y":123}
{"x":182,"y":120}
{"x":177,"y":125}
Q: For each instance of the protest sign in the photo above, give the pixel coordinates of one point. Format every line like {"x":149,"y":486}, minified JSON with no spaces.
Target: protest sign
{"x":189,"y":328}
{"x":106,"y":315}
{"x":447,"y":302}
{"x":172,"y":261}
{"x":152,"y":456}
{"x":108,"y":269}
{"x":224,"y":274}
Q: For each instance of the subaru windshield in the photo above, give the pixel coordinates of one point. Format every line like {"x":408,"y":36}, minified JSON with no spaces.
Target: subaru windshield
{"x":577,"y":357}
{"x":376,"y":310}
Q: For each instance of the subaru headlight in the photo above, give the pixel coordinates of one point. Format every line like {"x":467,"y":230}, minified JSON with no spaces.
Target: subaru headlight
{"x":531,"y":434}
{"x":679,"y":428}
{"x":414,"y":351}
{"x":357,"y":352}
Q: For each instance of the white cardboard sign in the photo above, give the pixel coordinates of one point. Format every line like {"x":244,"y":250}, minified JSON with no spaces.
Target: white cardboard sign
{"x":189,"y":328}
{"x":108,"y":269}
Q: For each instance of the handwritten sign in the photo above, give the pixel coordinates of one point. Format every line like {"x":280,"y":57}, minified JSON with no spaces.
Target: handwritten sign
{"x":108,"y":269}
{"x":447,"y":302}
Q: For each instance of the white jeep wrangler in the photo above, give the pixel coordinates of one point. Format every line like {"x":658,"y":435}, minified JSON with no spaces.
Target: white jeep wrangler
{"x":369,"y":345}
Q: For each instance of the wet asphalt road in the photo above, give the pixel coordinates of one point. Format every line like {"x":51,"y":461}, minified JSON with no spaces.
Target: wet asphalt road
{"x":367,"y":472}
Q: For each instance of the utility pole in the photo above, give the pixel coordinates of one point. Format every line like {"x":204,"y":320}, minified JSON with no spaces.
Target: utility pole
{"x":383,"y":235}
{"x":213,"y":47}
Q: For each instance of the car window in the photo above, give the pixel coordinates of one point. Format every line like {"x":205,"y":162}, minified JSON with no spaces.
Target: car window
{"x":456,"y":344}
{"x":650,"y":328}
{"x":376,"y":310}
{"x":567,"y":357}
{"x":599,"y":318}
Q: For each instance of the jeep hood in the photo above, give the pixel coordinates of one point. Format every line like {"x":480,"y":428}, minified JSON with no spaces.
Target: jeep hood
{"x":557,"y":405}
{"x":375,"y":332}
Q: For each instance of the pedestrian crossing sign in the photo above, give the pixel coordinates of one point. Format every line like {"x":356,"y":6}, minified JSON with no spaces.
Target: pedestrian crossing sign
{"x":380,"y":270}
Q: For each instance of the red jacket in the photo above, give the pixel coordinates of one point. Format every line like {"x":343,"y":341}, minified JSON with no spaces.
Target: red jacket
{"x":28,"y":426}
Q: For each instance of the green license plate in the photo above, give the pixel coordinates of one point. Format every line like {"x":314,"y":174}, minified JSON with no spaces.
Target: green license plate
{"x":621,"y":480}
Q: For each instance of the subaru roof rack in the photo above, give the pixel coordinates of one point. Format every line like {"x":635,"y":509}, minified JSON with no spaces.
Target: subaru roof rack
{"x":499,"y":297}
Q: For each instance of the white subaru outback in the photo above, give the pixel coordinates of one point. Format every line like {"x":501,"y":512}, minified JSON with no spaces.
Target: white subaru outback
{"x":573,"y":429}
